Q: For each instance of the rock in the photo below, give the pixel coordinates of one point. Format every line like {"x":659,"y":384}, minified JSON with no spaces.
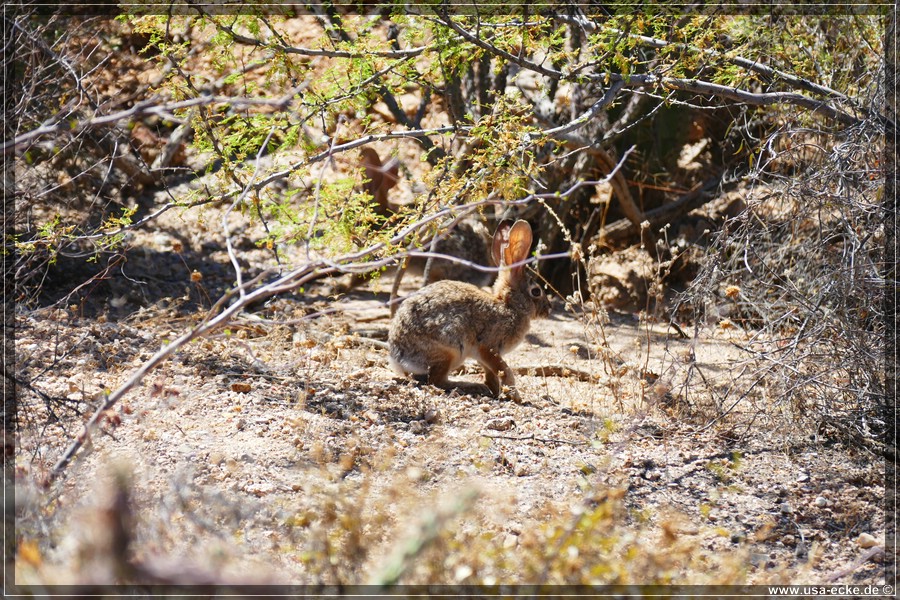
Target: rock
{"x":259,"y":489}
{"x":417,"y":427}
{"x":757,"y":558}
{"x":500,"y":424}
{"x":789,"y":540}
{"x":821,"y":502}
{"x":866,"y":540}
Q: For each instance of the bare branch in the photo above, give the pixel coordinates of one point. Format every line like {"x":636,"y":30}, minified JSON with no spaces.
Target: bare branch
{"x":760,"y":99}
{"x":338,"y":148}
{"x":287,"y":49}
{"x":588,"y":115}
{"x":151,"y":106}
{"x":517,"y":60}
{"x":750,"y":65}
{"x":687,"y":85}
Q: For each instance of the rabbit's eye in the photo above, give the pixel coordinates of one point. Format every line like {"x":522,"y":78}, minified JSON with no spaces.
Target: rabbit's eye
{"x":535,"y":291}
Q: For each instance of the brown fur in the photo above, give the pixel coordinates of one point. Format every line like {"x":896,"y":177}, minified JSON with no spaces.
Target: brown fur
{"x":438,"y":328}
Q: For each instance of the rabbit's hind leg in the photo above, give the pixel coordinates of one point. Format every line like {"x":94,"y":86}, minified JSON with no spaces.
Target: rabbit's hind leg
{"x":439,"y":365}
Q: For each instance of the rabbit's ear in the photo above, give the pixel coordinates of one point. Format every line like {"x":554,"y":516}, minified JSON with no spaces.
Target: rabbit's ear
{"x":501,"y":239}
{"x":519,"y":245}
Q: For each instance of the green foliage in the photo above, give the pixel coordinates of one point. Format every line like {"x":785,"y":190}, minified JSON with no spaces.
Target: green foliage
{"x":303,"y":86}
{"x":49,"y":237}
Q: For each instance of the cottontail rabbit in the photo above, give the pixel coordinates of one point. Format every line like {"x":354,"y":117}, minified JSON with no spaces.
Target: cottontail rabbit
{"x":445,"y":323}
{"x":469,"y":240}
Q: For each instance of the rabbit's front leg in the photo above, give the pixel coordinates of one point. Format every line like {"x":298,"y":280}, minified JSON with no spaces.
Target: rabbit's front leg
{"x":497,"y":372}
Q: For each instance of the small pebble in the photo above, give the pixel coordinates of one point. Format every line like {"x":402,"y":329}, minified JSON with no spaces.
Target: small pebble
{"x":866,"y":540}
{"x":821,"y":502}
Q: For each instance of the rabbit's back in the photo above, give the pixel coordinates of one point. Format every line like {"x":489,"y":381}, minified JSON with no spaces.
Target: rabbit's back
{"x":469,"y":241}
